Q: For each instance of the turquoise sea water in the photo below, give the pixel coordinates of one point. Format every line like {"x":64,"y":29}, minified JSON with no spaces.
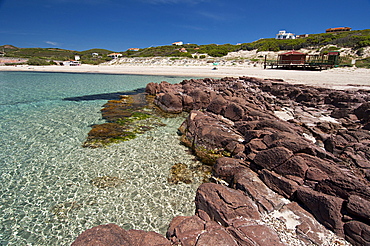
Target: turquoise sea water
{"x":45,"y":193}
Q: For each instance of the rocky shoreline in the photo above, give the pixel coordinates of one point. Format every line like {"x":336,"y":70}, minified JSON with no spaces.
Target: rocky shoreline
{"x":289,"y":162}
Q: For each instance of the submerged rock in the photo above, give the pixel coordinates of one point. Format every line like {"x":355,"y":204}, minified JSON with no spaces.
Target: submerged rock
{"x":127,"y":117}
{"x":62,"y":210}
{"x":180,"y":173}
{"x":106,"y":182}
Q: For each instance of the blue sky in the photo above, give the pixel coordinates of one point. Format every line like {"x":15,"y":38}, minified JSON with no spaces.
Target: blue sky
{"x":121,"y":24}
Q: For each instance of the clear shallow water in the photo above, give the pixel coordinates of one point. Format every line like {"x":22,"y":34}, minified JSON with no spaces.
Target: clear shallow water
{"x":45,"y":193}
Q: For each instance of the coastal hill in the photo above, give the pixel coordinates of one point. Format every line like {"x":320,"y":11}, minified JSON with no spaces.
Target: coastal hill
{"x":356,"y":43}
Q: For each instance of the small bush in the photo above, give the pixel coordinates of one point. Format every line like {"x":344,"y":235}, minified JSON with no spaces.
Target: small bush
{"x":363,"y":63}
{"x":37,"y":62}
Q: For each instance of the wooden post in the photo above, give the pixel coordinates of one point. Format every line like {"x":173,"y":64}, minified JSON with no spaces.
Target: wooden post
{"x":264,"y":66}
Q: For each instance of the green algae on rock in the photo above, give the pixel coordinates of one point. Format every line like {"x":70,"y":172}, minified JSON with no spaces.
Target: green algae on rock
{"x":106,"y":182}
{"x":182,"y":173}
{"x":206,"y":155}
{"x":107,"y":133}
{"x":127,"y":117}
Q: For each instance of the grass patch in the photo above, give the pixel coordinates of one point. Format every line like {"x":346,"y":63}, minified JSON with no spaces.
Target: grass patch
{"x":363,"y":63}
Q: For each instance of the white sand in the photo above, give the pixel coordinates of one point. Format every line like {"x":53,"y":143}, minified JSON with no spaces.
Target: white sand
{"x":338,"y":78}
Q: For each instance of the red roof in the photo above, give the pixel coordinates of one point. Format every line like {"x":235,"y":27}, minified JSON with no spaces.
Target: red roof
{"x":339,"y":29}
{"x":293,"y":53}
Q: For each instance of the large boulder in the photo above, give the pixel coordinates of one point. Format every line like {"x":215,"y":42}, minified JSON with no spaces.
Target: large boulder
{"x":208,"y":136}
{"x":293,"y":142}
{"x":272,"y":158}
{"x":284,"y":186}
{"x":295,"y":166}
{"x":113,"y":235}
{"x":234,"y":112}
{"x":327,"y":209}
{"x":227,"y":168}
{"x":152,"y":88}
{"x":359,"y":207}
{"x":357,"y":233}
{"x":363,"y":112}
{"x":201,"y":99}
{"x":248,"y":181}
{"x":225,"y":205}
{"x":109,"y":234}
{"x":169,"y":102}
{"x":254,"y":234}
{"x":216,"y":236}
{"x":185,"y":230}
{"x":151,"y":238}
{"x":217,"y":105}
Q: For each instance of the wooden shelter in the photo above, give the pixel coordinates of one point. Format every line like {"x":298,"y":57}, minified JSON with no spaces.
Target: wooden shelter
{"x":298,"y":60}
{"x":324,"y":60}
{"x":292,"y":58}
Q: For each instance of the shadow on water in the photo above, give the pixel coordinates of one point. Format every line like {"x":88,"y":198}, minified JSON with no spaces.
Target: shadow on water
{"x":105,"y":96}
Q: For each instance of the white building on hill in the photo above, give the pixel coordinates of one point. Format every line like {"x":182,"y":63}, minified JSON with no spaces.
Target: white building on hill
{"x":178,"y":43}
{"x":285,"y":35}
{"x":114,"y":55}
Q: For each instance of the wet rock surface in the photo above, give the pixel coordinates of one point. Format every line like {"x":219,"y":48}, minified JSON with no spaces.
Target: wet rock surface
{"x":290,"y":162}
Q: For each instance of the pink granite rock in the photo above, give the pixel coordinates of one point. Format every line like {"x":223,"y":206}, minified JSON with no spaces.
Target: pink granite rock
{"x":224,"y":205}
{"x":114,"y":235}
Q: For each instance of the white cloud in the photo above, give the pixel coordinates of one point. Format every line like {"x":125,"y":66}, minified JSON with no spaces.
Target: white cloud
{"x":212,"y":16}
{"x":52,"y":43}
{"x":190,"y":27}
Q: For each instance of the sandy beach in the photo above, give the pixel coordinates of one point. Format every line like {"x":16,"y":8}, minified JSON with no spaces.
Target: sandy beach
{"x":337,"y":78}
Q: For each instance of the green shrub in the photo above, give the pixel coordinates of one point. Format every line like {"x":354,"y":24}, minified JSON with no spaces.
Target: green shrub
{"x":360,"y":52}
{"x":363,"y":63}
{"x":351,"y":39}
{"x":34,"y":61}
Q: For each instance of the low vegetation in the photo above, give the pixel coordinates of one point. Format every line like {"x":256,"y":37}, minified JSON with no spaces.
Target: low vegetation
{"x":356,"y":40}
{"x":363,"y":63}
{"x":47,"y":56}
{"x":351,"y":39}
